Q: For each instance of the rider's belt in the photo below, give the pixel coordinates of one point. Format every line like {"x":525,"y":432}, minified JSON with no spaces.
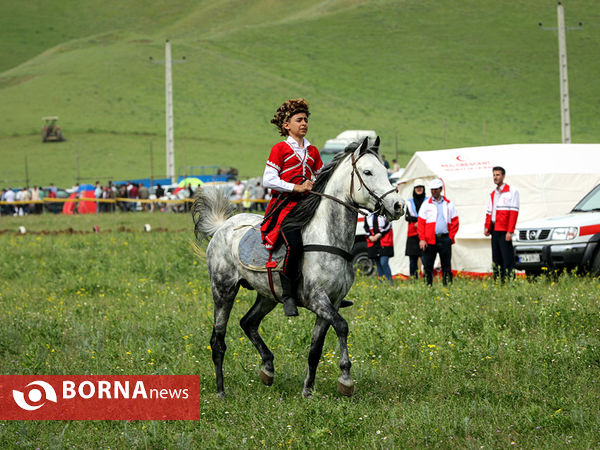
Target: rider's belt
{"x":441,"y":235}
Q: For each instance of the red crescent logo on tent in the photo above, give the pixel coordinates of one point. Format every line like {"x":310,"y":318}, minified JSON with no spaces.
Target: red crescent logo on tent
{"x":458,"y":158}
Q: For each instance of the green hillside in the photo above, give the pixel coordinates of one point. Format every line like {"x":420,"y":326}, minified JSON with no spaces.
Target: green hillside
{"x":435,"y":74}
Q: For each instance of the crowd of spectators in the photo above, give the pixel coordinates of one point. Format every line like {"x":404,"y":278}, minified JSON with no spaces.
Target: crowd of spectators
{"x":124,"y":197}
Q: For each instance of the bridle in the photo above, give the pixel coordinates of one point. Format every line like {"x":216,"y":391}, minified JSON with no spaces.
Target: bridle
{"x":378,"y":199}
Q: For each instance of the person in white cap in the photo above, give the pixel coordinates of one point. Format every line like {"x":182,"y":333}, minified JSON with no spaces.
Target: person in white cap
{"x":413,"y":206}
{"x":437,"y":227}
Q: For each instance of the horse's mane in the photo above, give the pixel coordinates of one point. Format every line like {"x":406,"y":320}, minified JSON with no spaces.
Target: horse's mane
{"x":304,"y":212}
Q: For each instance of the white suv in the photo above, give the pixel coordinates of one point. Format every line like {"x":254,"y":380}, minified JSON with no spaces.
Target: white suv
{"x":565,"y":242}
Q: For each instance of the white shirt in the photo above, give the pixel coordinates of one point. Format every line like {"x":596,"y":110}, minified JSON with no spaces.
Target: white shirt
{"x":10,"y":196}
{"x":238,"y":190}
{"x":496,"y":199}
{"x":271,"y":178}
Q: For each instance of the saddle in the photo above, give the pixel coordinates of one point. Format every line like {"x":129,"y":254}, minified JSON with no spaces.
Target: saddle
{"x":253,"y":255}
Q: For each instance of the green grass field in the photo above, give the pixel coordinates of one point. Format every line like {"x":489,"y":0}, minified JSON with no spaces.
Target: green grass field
{"x":470,"y":366}
{"x":483,"y":68}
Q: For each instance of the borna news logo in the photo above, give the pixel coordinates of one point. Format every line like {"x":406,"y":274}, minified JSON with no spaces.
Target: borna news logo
{"x":35,"y":396}
{"x":100,"y":397}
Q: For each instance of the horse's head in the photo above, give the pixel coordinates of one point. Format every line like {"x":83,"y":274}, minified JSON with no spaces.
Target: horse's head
{"x":369,"y":184}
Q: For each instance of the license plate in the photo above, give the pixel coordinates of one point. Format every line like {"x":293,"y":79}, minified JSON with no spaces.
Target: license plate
{"x":529,"y":258}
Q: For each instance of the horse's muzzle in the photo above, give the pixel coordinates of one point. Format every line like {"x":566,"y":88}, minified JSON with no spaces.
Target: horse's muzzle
{"x":399,"y":208}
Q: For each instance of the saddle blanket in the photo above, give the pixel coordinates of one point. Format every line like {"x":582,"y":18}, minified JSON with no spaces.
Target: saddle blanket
{"x":253,"y":255}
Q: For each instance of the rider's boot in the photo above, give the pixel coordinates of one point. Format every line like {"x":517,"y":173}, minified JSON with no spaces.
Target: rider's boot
{"x":346,"y":303}
{"x":289,"y":302}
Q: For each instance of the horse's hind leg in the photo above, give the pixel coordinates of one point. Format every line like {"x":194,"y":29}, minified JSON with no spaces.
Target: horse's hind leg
{"x":314,"y":354}
{"x":250,"y":323}
{"x":223,"y":296}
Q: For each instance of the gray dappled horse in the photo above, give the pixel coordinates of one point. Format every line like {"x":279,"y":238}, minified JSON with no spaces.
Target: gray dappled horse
{"x":356,"y":177}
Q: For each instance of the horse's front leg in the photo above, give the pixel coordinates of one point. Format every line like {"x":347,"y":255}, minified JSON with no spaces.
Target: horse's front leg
{"x":314,"y":354}
{"x":322,"y":307}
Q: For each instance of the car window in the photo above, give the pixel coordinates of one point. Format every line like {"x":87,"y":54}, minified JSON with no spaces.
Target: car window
{"x":591,"y":202}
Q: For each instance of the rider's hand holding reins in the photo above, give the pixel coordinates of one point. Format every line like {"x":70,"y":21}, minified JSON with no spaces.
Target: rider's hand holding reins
{"x":304,"y":187}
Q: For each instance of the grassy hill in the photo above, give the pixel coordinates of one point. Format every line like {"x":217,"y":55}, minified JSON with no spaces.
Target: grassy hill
{"x":434,"y":74}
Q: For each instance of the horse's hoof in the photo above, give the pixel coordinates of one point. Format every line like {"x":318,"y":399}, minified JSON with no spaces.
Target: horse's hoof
{"x":266,"y":378}
{"x":307,"y":393}
{"x":221,"y":394}
{"x":345,"y":389}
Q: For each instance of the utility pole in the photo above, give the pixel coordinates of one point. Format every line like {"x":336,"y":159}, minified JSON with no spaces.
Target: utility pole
{"x":26,"y":172}
{"x":169,"y":114}
{"x":151,"y":165}
{"x":565,"y":112}
{"x":77,"y":160}
{"x":170,"y":144}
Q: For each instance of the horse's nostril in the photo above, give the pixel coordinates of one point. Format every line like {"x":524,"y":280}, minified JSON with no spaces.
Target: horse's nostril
{"x":397,"y":206}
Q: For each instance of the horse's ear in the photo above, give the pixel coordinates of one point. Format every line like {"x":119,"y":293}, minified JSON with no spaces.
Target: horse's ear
{"x":375,"y":146}
{"x":363,"y":146}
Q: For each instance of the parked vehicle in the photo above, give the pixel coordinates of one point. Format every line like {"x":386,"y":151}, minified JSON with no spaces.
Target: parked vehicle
{"x":334,"y":146}
{"x":568,"y":242}
{"x":51,"y":132}
{"x":361,"y":262}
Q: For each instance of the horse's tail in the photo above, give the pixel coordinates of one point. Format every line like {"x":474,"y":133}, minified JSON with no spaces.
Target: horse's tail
{"x":210,"y":210}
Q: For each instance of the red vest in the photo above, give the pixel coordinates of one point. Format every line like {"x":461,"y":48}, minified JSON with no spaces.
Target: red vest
{"x":290,"y":169}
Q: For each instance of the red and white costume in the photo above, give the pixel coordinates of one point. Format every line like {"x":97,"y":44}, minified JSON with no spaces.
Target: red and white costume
{"x":502,"y":209}
{"x":288,"y":163}
{"x":428,"y":218}
{"x":373,"y":225}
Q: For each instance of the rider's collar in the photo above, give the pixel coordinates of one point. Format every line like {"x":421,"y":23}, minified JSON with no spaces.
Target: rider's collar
{"x":292,"y":143}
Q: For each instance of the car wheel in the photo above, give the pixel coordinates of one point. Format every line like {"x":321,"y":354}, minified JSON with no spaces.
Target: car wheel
{"x":361,"y":262}
{"x":595,"y":268}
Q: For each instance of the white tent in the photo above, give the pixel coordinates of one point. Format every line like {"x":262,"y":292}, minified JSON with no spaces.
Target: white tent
{"x":551,"y":179}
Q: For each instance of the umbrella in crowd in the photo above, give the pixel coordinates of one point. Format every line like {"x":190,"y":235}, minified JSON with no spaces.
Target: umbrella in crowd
{"x":194,"y":182}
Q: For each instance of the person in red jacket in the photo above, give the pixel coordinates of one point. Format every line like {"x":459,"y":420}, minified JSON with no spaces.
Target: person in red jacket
{"x":380,"y":243}
{"x":437,"y":226}
{"x":289,"y":173}
{"x":500,"y":221}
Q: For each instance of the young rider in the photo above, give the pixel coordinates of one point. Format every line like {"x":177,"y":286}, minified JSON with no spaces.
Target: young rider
{"x":290,"y":169}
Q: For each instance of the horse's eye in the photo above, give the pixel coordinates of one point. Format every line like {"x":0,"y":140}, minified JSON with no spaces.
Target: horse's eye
{"x":368,"y":173}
